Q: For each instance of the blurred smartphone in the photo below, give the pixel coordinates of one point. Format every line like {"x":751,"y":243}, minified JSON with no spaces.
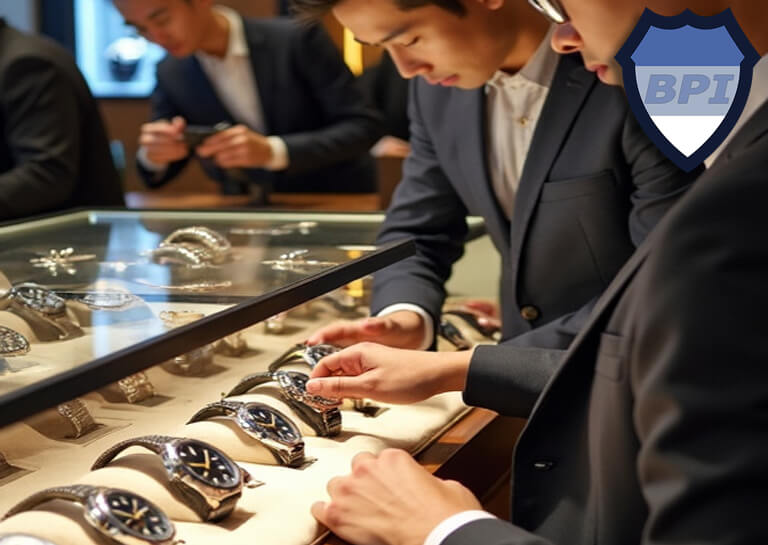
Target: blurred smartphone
{"x":195,"y":134}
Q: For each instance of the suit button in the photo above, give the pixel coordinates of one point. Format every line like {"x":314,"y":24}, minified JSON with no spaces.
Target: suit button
{"x":543,"y":465}
{"x":529,"y":313}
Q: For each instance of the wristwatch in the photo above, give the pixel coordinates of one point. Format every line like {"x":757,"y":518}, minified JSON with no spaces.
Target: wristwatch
{"x":274,"y":430}
{"x":320,"y":413}
{"x":452,"y":334}
{"x":22,"y":539}
{"x":201,"y":476}
{"x":301,"y":353}
{"x":486,"y":330}
{"x":203,"y":236}
{"x":43,"y":309}
{"x":121,"y":516}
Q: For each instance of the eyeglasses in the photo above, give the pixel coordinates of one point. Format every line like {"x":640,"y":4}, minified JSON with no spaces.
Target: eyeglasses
{"x":551,"y":9}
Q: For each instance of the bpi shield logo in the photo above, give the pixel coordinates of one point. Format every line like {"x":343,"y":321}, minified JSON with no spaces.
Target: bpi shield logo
{"x":687,"y":79}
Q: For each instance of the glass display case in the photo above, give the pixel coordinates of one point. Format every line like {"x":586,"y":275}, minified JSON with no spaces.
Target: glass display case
{"x":113,"y":267}
{"x":177,"y":337}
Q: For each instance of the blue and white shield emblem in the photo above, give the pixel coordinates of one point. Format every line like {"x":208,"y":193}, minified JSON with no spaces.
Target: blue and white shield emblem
{"x":687,"y":79}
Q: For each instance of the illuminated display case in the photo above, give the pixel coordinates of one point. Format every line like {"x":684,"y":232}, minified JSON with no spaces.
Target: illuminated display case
{"x":161,"y":313}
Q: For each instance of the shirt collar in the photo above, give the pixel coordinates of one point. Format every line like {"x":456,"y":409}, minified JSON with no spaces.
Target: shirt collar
{"x":540,"y":68}
{"x":238,"y":45}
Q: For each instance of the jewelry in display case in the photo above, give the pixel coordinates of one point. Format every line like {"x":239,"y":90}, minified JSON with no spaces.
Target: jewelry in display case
{"x":274,"y":430}
{"x":320,"y":413}
{"x":43,"y":310}
{"x":203,"y":477}
{"x":76,"y":413}
{"x":119,"y":515}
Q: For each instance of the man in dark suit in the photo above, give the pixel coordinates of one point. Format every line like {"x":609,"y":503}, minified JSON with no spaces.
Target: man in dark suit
{"x":54,"y":152}
{"x":553,"y":161}
{"x":297,"y":121}
{"x":652,"y":428}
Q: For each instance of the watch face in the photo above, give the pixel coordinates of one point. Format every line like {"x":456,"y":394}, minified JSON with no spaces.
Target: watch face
{"x":313,"y":354}
{"x":273,"y":425}
{"x":208,"y":465}
{"x":39,"y":298}
{"x":295,"y":384}
{"x":134,"y":516}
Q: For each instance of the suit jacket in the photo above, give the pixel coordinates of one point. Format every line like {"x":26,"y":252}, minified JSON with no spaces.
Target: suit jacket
{"x":653,"y":428}
{"x":54,"y":152}
{"x":308,"y":97}
{"x":593,"y":186}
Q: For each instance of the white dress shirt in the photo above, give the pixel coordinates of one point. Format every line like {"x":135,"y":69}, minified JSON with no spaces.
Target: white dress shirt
{"x":758,"y":94}
{"x":513,"y":106}
{"x":232,"y":79}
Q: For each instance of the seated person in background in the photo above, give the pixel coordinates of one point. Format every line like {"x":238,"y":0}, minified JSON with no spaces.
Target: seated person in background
{"x":54,"y":152}
{"x":387,"y":91}
{"x":504,"y":128}
{"x":298,"y":122}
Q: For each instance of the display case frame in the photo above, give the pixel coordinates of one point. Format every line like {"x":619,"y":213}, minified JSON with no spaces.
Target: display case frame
{"x":101,"y":371}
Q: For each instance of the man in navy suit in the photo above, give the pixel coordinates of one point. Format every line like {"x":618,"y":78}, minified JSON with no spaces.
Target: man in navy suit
{"x":296,"y":119}
{"x":504,"y":128}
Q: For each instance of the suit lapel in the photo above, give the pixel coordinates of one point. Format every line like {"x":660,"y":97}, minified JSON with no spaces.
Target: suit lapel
{"x":196,"y":84}
{"x":752,"y":130}
{"x":570,"y":87}
{"x":263,"y":71}
{"x":468,"y":127}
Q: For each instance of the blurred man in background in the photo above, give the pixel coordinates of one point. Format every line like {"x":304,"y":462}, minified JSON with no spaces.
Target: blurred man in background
{"x":294,"y":119}
{"x":54,"y":152}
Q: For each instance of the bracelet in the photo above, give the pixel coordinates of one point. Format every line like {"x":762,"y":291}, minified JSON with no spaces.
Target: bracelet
{"x":77,"y":415}
{"x":136,"y":387}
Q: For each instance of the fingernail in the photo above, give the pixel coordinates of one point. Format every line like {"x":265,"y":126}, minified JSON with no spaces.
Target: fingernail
{"x":313,"y":386}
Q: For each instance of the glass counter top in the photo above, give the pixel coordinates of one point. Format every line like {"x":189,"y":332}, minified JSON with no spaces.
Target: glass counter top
{"x":118,"y":271}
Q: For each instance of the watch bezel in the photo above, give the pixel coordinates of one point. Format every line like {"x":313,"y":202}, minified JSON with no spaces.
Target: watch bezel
{"x":176,"y":464}
{"x":248,"y":422}
{"x":99,"y":514}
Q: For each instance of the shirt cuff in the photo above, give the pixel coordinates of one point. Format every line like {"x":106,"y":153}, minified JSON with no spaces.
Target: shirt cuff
{"x":151,"y":166}
{"x":453,"y":523}
{"x":280,"y":159}
{"x":429,"y":324}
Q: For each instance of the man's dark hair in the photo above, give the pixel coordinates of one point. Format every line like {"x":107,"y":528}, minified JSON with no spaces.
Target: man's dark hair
{"x":310,"y":10}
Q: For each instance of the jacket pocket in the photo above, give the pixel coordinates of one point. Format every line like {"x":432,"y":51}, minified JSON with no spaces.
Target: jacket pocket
{"x":570,"y":188}
{"x":611,"y":357}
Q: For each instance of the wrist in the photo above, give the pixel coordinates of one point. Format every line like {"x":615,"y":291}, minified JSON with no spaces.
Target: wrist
{"x":450,"y":370}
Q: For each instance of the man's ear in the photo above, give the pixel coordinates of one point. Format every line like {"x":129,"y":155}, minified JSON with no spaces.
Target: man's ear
{"x":490,"y":4}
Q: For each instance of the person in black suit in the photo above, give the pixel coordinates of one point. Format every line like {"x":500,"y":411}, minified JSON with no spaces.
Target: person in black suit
{"x":651,"y":428}
{"x":54,"y":152}
{"x":553,"y":160}
{"x":297,"y":122}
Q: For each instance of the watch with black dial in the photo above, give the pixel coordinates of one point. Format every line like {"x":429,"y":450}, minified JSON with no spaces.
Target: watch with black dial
{"x":301,"y":353}
{"x":320,"y":413}
{"x":452,"y":334}
{"x":45,"y":311}
{"x":121,"y":516}
{"x":486,"y":330}
{"x":274,"y":430}
{"x":200,"y":475}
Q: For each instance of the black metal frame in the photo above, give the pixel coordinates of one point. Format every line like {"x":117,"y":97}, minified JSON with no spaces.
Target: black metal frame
{"x":102,"y":371}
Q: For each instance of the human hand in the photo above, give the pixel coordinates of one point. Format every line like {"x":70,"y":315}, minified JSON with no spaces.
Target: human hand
{"x":164,"y":140}
{"x":487,"y":313}
{"x":391,"y":375}
{"x":390,"y":499}
{"x":237,"y":147}
{"x":391,"y":146}
{"x":401,"y":329}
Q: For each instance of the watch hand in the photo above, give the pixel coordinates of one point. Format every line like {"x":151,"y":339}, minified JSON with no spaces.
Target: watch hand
{"x":207,"y":459}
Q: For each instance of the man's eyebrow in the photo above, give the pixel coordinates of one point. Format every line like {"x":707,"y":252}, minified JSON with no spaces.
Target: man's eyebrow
{"x":391,"y":36}
{"x":154,"y":15}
